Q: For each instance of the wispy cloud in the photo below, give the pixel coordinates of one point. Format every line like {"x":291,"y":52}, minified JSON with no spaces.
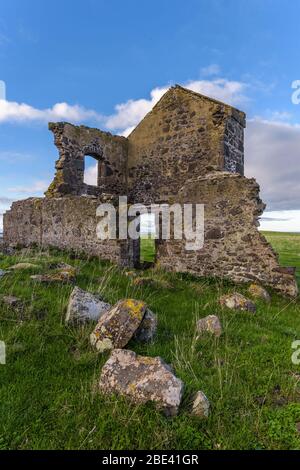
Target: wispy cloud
{"x":11,"y":111}
{"x":283,"y":221}
{"x":34,"y":188}
{"x":210,"y":70}
{"x":127,"y":114}
{"x":5,"y":200}
{"x":11,"y":157}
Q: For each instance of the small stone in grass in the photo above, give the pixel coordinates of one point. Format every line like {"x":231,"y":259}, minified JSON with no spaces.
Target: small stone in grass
{"x":201,"y":405}
{"x":210,"y":324}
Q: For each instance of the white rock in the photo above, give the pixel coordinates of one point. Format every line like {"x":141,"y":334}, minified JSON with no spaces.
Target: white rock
{"x":84,"y":306}
{"x":142,"y":379}
{"x":201,"y":405}
{"x":210,"y":324}
{"x":147,"y":329}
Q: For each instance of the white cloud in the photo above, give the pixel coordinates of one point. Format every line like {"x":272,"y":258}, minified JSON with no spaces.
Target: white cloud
{"x":272,"y":157}
{"x":5,"y":203}
{"x":210,"y":70}
{"x":11,"y":111}
{"x":127,"y":115}
{"x":271,"y":146}
{"x":281,"y":221}
{"x":35,"y":188}
{"x":91,"y":175}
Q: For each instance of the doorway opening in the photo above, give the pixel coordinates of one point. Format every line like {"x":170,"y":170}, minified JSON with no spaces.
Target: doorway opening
{"x":147,"y":239}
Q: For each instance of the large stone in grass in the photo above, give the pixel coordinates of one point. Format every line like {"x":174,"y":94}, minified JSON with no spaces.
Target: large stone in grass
{"x":142,"y":379}
{"x":117,"y":326}
{"x":84,"y":307}
{"x":11,"y":301}
{"x":147,"y":329}
{"x":21,"y":266}
{"x":201,"y":405}
{"x":237,"y":302}
{"x":210,"y":324}
{"x":258,"y":292}
{"x":60,"y":276}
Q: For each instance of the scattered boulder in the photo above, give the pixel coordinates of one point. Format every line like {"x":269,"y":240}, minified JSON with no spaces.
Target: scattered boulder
{"x":142,"y":380}
{"x":144,"y":282}
{"x":147,"y":329}
{"x":84,"y":306}
{"x":130,"y":273}
{"x":237,"y":301}
{"x":117,"y":326}
{"x":62,"y":266}
{"x":210,"y":324}
{"x":63,"y":276}
{"x":150,"y":282}
{"x":11,"y":301}
{"x":201,"y":405}
{"x":21,"y":266}
{"x":3,"y":273}
{"x":258,"y":292}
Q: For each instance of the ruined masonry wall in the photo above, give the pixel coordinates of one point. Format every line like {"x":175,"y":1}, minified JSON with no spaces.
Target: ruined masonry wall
{"x":188,"y":149}
{"x":74,"y":143}
{"x":184,"y":136}
{"x":64,"y":223}
{"x":233,"y":247}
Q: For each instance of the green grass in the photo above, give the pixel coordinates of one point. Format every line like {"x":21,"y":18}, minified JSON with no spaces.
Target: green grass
{"x":288,"y":248}
{"x":48,"y":388}
{"x":147,"y":249}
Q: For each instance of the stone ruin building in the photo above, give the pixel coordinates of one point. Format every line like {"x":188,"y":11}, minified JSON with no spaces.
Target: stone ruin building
{"x":188,"y":149}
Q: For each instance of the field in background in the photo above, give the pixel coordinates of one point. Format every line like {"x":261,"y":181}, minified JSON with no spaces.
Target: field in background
{"x":288,"y":247}
{"x":48,"y":388}
{"x":147,"y":249}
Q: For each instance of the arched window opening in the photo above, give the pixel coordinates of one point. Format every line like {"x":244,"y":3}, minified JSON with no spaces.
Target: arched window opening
{"x":90,"y":171}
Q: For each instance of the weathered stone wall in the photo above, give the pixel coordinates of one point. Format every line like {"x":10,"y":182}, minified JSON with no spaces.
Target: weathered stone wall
{"x":67,"y":223}
{"x":188,"y":149}
{"x":184,"y":136}
{"x":233,"y":247}
{"x":73,"y":143}
{"x":234,"y":147}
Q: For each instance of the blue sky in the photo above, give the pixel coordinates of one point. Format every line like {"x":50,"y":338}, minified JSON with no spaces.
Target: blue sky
{"x":106,"y":63}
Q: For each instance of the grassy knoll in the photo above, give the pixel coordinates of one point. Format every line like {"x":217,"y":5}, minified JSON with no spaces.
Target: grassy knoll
{"x":48,"y":388}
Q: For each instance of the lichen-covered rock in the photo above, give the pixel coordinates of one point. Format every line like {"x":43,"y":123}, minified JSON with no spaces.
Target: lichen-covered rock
{"x":258,"y":292}
{"x":62,"y":267}
{"x":201,"y":405}
{"x":63,"y":275}
{"x":21,"y":266}
{"x":237,"y":302}
{"x":11,"y":301}
{"x":84,"y":306}
{"x":147,"y":329}
{"x":142,"y":380}
{"x":117,"y":326}
{"x":210,"y":324}
{"x":153,"y":283}
{"x":144,"y":282}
